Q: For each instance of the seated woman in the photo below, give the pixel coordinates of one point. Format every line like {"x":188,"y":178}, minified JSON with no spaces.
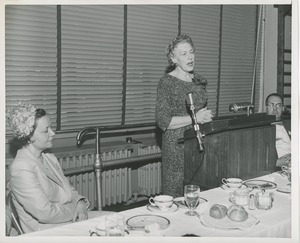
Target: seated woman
{"x":274,"y":106}
{"x":40,"y":192}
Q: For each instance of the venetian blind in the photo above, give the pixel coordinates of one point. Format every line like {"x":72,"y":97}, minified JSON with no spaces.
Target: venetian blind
{"x":150,"y":29}
{"x":92,"y":65}
{"x":237,"y":55}
{"x":202,"y":24}
{"x":31,"y":57}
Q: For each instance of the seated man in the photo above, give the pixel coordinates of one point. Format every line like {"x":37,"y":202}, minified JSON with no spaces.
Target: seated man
{"x":274,"y":106}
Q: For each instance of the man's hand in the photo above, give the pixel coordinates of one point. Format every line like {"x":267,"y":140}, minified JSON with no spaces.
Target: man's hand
{"x":284,"y":160}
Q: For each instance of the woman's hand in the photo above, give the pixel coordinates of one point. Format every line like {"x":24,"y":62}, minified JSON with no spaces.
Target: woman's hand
{"x":204,"y":115}
{"x":80,"y":212}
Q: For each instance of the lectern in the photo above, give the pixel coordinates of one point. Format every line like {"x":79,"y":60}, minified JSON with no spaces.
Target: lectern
{"x":242,"y":147}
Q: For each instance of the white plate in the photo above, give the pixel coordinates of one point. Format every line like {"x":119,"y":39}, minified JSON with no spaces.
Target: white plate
{"x":226,"y":223}
{"x":286,"y":189}
{"x":139,"y":222}
{"x":260,"y":184}
{"x":152,"y":208}
{"x":181,"y":202}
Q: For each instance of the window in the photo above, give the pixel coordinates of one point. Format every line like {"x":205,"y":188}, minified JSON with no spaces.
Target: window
{"x":149,"y":30}
{"x":97,"y":65}
{"x":206,"y":38}
{"x":91,"y":65}
{"x":31,"y":56}
{"x":237,"y":55}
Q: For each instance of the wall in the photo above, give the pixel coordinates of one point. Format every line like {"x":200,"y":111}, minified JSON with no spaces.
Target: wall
{"x":270,"y":62}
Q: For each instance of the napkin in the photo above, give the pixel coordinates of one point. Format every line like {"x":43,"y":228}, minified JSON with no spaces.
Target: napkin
{"x":153,"y":229}
{"x":202,"y":208}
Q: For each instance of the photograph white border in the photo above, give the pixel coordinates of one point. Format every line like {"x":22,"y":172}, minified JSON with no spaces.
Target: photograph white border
{"x":295,"y":124}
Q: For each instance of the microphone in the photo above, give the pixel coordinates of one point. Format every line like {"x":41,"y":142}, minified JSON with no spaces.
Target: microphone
{"x":190,"y":104}
{"x":241,"y":106}
{"x":189,"y":99}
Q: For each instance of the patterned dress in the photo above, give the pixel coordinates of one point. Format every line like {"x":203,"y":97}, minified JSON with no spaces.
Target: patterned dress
{"x":171,"y":95}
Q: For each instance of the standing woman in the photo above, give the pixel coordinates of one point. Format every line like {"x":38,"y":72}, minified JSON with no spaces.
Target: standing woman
{"x":172,"y":112}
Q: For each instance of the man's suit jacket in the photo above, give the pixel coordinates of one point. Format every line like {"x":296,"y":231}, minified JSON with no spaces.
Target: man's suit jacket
{"x":287,"y":126}
{"x":42,"y":197}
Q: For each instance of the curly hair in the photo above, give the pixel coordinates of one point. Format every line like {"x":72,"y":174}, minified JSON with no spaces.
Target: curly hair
{"x":23,"y":122}
{"x":171,"y":46}
{"x":38,"y":114}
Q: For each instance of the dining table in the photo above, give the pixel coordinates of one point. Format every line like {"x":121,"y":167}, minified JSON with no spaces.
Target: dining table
{"x":273,"y":223}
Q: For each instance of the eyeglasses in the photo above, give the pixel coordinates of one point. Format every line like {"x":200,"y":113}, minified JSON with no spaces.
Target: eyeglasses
{"x":273,"y":105}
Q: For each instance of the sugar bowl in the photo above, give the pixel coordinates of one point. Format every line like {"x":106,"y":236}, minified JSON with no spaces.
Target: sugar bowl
{"x":264,"y":200}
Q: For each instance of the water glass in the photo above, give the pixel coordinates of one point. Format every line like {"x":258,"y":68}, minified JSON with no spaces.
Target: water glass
{"x":114,"y":225}
{"x":191,"y":196}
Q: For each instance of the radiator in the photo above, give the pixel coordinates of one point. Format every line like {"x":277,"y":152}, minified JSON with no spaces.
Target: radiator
{"x":117,"y":184}
{"x":149,"y":176}
{"x":149,"y":179}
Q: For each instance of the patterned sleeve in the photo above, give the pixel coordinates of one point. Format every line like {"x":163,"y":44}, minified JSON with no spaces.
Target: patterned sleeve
{"x":163,"y":104}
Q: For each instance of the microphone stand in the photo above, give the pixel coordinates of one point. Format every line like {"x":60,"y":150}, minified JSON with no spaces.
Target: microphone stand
{"x":196,"y":128}
{"x":194,"y":119}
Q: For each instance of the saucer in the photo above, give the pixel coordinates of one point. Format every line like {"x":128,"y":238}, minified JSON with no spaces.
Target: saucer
{"x":181,"y":202}
{"x":227,"y":188}
{"x":172,"y":209}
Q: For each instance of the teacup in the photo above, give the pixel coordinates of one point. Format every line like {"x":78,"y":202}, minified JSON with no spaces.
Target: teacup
{"x":240,"y":196}
{"x":263,"y":199}
{"x":232,"y":182}
{"x":114,"y":224}
{"x":99,"y":230}
{"x":163,"y":202}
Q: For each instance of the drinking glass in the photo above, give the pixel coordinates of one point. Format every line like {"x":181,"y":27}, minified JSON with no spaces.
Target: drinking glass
{"x":114,"y":225}
{"x":191,"y":196}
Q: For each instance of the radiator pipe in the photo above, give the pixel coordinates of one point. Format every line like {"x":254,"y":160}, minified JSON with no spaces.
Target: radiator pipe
{"x":98,"y":169}
{"x":117,"y":162}
{"x":82,"y":136}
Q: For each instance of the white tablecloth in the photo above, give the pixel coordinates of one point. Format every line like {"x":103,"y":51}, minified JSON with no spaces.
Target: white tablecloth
{"x":275,"y":222}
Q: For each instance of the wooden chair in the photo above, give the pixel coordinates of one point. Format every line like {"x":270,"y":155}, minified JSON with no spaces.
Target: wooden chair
{"x":13,"y":219}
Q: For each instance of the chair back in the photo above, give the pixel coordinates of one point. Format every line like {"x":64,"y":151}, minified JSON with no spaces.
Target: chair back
{"x":13,"y":214}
